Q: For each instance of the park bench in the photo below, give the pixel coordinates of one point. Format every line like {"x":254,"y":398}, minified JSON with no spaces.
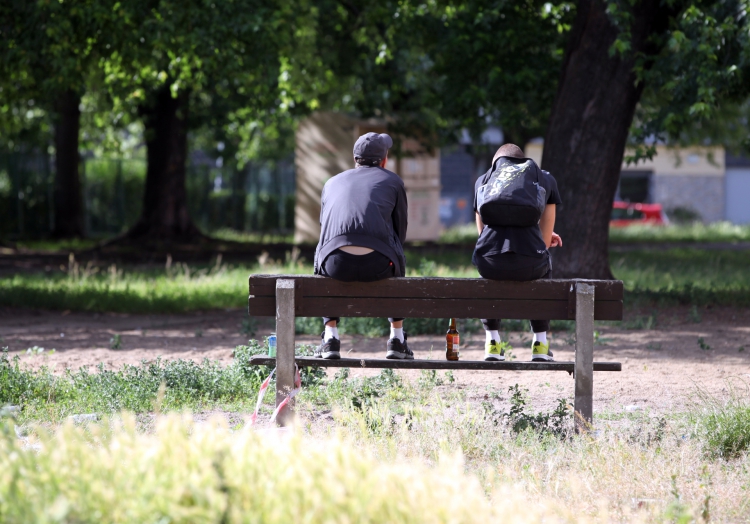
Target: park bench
{"x":290,"y":296}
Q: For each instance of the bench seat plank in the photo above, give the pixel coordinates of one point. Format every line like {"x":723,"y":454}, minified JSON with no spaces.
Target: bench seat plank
{"x":434,"y":308}
{"x":378,"y":363}
{"x":310,"y":286}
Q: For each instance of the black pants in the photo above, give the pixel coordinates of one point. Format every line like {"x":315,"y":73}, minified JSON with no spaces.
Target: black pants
{"x":346,"y":267}
{"x":512,"y":266}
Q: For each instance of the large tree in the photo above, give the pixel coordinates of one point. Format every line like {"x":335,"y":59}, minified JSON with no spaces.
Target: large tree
{"x":638,"y":70}
{"x":169,"y":58}
{"x":688,"y":55}
{"x":49,"y":50}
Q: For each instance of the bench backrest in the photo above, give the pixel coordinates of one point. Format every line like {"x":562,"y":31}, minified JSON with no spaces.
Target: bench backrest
{"x":432,"y":297}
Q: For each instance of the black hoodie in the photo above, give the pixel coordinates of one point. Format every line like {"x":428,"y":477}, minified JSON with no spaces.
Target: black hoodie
{"x":365,"y":206}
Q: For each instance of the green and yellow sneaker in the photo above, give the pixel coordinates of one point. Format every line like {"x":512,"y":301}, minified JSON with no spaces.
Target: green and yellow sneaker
{"x":540,"y":352}
{"x":495,"y":351}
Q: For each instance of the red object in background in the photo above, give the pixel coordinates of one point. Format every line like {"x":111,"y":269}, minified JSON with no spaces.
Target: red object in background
{"x":626,"y":214}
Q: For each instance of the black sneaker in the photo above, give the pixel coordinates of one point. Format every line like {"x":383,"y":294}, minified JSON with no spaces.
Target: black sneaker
{"x":329,"y":350}
{"x":398,"y":350}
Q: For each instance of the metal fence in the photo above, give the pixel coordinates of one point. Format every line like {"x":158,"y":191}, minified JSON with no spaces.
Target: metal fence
{"x":258,"y":198}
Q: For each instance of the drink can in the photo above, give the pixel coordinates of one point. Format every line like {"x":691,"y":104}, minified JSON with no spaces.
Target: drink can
{"x":272,"y":345}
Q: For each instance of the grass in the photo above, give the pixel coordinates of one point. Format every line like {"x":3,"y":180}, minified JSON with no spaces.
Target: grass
{"x":232,"y":235}
{"x":636,"y":234}
{"x":724,"y":425}
{"x":184,"y":472}
{"x":686,"y":276}
{"x":695,"y":232}
{"x":382,"y":449}
{"x":56,"y":246}
{"x":173,"y":384}
{"x":669,"y":276}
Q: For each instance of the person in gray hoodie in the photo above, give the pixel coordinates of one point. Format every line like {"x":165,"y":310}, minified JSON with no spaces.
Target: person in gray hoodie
{"x":363,"y":219}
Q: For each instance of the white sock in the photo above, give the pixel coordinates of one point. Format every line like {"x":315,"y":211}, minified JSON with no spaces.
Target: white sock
{"x":493,"y":334}
{"x":397,"y":333}
{"x":540,"y":337}
{"x":331,"y":332}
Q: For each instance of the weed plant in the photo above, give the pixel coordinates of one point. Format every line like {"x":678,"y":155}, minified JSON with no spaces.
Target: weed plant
{"x":179,"y":384}
{"x":723,"y":425}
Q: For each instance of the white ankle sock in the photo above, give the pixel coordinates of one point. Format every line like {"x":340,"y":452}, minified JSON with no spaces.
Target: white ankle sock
{"x":493,"y":334}
{"x":397,"y":333}
{"x":331,"y":332}
{"x":540,"y":337}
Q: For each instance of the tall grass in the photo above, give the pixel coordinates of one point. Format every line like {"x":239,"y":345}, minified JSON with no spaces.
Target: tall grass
{"x":638,"y":467}
{"x":189,"y":473}
{"x":724,"y":424}
{"x":410,"y":453}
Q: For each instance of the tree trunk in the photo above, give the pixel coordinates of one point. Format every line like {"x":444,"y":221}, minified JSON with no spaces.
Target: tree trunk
{"x":68,"y":196}
{"x":165,"y":216}
{"x":588,"y":129}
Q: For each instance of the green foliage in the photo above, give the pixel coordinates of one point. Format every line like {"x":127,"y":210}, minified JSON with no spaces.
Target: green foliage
{"x":46,"y":48}
{"x":702,"y":64}
{"x":723,"y":425}
{"x":186,"y":384}
{"x":465,"y":234}
{"x":558,"y":423}
{"x":364,"y":392}
{"x":115,"y":342}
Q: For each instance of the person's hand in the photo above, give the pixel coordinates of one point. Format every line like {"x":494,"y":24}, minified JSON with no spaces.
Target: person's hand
{"x":556,"y":240}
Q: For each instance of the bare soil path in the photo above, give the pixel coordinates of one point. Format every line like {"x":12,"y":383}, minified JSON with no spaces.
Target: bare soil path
{"x":663,"y":367}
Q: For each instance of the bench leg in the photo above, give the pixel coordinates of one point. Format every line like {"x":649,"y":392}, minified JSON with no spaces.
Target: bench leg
{"x":284,"y":348}
{"x":584,"y":365}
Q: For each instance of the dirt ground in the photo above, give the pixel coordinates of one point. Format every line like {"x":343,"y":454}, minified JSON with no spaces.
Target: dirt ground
{"x":663,"y":367}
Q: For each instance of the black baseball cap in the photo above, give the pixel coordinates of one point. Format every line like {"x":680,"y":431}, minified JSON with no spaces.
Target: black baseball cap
{"x":372,"y":146}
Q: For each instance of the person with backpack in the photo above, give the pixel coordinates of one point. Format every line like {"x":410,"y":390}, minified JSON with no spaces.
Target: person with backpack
{"x":363,"y":219}
{"x":515,"y":204}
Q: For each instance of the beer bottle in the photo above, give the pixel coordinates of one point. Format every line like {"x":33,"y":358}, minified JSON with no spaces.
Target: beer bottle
{"x":452,"y":341}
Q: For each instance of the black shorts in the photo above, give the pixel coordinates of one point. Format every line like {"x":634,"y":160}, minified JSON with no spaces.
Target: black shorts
{"x":346,"y":267}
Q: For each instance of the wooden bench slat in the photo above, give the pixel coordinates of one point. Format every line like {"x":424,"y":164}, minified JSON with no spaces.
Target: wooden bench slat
{"x":376,"y":363}
{"x":435,"y":287}
{"x":434,"y":308}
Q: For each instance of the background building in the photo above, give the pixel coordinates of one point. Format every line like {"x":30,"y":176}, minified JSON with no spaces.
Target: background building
{"x":323,"y":148}
{"x":691,"y":182}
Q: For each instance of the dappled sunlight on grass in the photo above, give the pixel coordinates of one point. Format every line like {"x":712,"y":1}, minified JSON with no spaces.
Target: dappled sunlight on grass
{"x":677,"y":275}
{"x":696,"y":232}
